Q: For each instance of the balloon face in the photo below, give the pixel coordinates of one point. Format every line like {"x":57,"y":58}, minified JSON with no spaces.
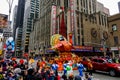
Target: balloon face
{"x":55,"y":39}
{"x":59,"y":43}
{"x":10,"y":43}
{"x":61,"y":38}
{"x":10,"y":39}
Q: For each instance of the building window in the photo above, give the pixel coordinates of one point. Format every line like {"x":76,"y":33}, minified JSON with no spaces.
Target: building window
{"x":99,"y":19}
{"x":114,"y":27}
{"x":116,"y":40}
{"x":58,"y":2}
{"x":66,"y":4}
{"x":82,"y":41}
{"x":78,"y":39}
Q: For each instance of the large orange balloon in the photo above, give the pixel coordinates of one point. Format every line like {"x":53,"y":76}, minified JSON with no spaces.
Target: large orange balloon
{"x":59,"y":43}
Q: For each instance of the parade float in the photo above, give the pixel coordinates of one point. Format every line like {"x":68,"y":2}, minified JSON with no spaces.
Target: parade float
{"x":63,"y":47}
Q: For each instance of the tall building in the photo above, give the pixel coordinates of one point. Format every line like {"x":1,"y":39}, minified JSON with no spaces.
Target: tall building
{"x":89,"y":27}
{"x":18,"y":27}
{"x":13,"y":25}
{"x":7,"y":32}
{"x":114,"y":30}
{"x":119,"y":6}
{"x":100,"y":7}
{"x":31,"y":13}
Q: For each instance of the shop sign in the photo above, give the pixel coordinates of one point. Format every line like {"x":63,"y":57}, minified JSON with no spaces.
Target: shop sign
{"x":114,"y":48}
{"x":53,"y":19}
{"x":83,"y":48}
{"x":72,"y":12}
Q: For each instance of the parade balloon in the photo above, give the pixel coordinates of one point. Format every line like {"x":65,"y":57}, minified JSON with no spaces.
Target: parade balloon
{"x":60,"y":43}
{"x":10,"y":44}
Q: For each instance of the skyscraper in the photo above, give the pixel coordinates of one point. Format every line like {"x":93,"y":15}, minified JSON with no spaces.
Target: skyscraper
{"x":100,"y":8}
{"x":18,"y":27}
{"x":31,"y":13}
{"x":14,"y":21}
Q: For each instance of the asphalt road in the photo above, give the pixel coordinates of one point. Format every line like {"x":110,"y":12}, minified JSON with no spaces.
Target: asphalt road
{"x":101,"y":76}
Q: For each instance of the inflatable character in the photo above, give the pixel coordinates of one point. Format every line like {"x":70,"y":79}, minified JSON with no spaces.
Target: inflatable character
{"x":59,"y":43}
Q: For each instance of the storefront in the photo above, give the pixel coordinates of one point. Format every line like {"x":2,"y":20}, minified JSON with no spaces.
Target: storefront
{"x":115,"y":51}
{"x":87,"y":51}
{"x":81,"y":51}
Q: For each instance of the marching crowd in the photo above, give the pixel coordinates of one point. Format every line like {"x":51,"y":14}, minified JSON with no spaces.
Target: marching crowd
{"x":44,"y":70}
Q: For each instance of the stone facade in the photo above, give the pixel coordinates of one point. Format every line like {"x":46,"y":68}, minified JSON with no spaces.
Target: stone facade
{"x":89,"y":25}
{"x":114,"y":30}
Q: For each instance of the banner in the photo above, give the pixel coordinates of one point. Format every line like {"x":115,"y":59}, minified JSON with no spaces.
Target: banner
{"x":72,"y":12}
{"x":53,"y":19}
{"x":3,"y":20}
{"x":72,"y":21}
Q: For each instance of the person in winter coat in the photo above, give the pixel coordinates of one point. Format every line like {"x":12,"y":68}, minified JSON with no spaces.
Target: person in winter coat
{"x":90,"y":67}
{"x":55,"y":68}
{"x":65,"y":67}
{"x":87,"y":76}
{"x":80,"y":68}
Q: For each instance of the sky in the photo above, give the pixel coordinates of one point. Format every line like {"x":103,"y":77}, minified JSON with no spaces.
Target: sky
{"x":111,"y":4}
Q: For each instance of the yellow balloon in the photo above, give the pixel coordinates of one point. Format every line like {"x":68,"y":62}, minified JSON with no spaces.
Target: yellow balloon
{"x":55,"y":39}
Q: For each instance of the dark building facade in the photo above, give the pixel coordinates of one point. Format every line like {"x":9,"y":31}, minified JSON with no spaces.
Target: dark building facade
{"x":30,"y":16}
{"x":14,"y":20}
{"x":119,"y":6}
{"x":19,"y":26}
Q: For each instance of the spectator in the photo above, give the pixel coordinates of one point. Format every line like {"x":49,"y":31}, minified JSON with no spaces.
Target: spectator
{"x":55,"y":68}
{"x":80,"y":69}
{"x":87,"y":76}
{"x":78,"y":77}
{"x":90,"y":67}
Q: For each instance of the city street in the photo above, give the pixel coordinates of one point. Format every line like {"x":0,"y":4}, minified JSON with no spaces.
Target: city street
{"x":101,"y":76}
{"x":46,"y":36}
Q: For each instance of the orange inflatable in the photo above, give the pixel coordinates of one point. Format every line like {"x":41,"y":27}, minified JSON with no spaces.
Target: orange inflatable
{"x":59,"y":43}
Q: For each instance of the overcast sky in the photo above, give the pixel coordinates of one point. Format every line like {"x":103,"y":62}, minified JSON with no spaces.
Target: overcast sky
{"x":111,"y":4}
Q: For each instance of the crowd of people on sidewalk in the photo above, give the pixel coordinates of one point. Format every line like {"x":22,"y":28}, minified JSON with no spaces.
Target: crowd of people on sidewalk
{"x":52,"y":69}
{"x":46,"y":68}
